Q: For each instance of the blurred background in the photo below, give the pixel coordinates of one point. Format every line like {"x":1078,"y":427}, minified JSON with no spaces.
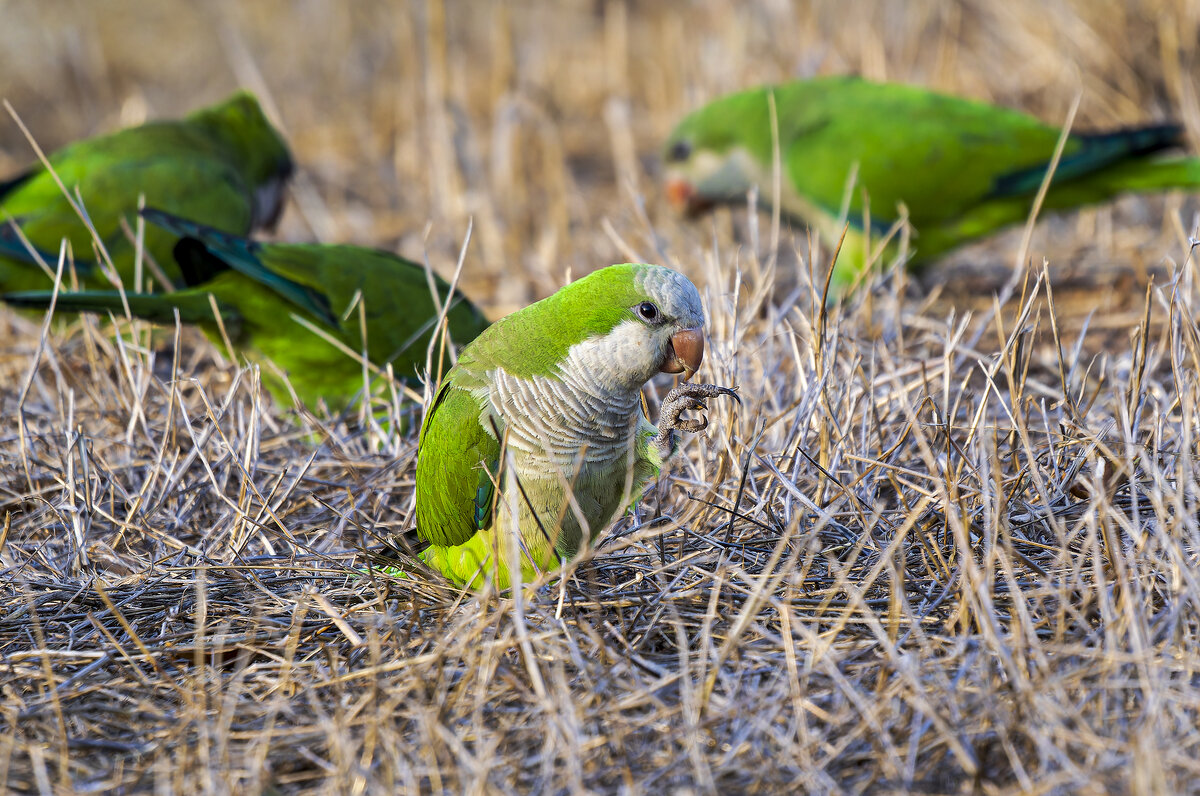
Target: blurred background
{"x":537,"y":126}
{"x":539,"y":123}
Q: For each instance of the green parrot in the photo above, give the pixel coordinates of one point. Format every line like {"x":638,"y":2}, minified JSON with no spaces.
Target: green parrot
{"x":285,"y":303}
{"x":962,"y":168}
{"x":224,"y":166}
{"x":540,"y":425}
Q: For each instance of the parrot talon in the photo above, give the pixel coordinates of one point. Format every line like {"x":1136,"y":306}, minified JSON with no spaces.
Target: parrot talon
{"x":691,"y":425}
{"x":681,"y":399}
{"x":699,"y":391}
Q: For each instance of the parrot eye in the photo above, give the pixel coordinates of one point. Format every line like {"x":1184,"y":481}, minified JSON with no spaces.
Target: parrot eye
{"x":648,"y":311}
{"x":680,"y":150}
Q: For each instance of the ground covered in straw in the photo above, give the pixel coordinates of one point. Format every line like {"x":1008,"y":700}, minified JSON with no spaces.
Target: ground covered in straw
{"x":948,"y":543}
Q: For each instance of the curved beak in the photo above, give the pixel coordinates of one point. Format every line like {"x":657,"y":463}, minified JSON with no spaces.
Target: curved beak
{"x":268,"y":203}
{"x":685,"y":198}
{"x":685,"y":352}
{"x":679,"y":192}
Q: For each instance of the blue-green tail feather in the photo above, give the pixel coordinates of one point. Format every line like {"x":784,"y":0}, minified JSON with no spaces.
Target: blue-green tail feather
{"x":1097,"y":151}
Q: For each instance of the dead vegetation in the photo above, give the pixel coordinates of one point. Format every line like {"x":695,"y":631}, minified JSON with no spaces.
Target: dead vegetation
{"x":944,"y":546}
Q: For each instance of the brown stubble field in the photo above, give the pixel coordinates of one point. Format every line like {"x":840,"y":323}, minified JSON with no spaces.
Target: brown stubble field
{"x":940,"y":548}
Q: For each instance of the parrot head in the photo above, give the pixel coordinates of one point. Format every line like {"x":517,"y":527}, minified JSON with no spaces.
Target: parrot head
{"x":617,"y":326}
{"x":666,"y":333}
{"x":716,"y":154}
{"x":649,"y":321}
{"x":256,"y":146}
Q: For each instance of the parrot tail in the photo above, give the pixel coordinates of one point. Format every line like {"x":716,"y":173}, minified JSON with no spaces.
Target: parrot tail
{"x":1131,"y":142}
{"x":1130,"y":176}
{"x":194,"y":306}
{"x":203,"y":252}
{"x":1109,"y":159}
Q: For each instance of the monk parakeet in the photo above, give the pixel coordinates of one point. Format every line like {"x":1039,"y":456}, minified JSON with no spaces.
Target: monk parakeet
{"x":961,"y":168}
{"x":539,"y":427}
{"x":286,"y":302}
{"x":224,"y":166}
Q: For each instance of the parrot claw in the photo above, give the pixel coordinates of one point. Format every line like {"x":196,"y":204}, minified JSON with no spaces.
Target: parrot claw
{"x":681,"y":399}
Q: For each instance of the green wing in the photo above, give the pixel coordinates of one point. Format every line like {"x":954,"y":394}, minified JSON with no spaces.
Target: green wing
{"x":330,"y":282}
{"x":398,"y":305}
{"x":455,"y":471}
{"x":399,"y":310}
{"x":939,"y":155}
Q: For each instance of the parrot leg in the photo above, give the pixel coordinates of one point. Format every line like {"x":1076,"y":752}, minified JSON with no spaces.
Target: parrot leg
{"x":679,"y":400}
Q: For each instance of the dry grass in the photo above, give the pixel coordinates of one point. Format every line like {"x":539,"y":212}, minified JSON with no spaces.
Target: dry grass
{"x":940,"y":548}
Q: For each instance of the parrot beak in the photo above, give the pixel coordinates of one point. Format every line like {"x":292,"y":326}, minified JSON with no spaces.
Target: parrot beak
{"x":268,"y":203}
{"x":685,"y":352}
{"x":679,"y":192}
{"x":682,"y":195}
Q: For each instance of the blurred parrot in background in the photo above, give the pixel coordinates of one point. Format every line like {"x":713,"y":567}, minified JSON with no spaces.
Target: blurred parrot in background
{"x":224,"y":166}
{"x":962,"y":168}
{"x":303,"y":307}
{"x":542,"y":417}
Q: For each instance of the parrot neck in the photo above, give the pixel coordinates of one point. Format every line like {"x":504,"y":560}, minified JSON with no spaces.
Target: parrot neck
{"x":585,"y":413}
{"x":562,"y":423}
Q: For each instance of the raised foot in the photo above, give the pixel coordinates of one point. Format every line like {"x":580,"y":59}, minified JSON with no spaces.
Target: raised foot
{"x":681,"y":399}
